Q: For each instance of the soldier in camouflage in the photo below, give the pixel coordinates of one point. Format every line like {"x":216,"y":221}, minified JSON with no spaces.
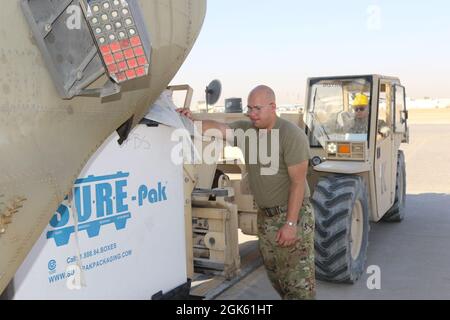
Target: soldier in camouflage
{"x":290,"y":269}
{"x":285,"y":218}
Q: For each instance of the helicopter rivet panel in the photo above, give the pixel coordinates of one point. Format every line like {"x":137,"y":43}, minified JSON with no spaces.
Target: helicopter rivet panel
{"x":120,"y":35}
{"x":83,"y":40}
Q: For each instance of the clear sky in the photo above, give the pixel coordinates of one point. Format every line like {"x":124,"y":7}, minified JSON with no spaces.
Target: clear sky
{"x":280,"y":43}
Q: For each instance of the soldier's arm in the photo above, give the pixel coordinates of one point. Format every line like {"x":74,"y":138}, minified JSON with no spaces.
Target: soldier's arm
{"x":287,"y":235}
{"x":297,"y":176}
{"x":207,"y":125}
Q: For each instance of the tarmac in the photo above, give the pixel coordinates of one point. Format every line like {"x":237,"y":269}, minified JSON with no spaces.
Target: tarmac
{"x":413,"y":256}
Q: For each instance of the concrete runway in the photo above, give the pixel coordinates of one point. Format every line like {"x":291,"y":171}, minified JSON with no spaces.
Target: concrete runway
{"x":414,"y":255}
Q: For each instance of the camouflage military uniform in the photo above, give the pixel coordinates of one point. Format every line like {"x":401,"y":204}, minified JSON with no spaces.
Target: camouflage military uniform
{"x":359,"y":126}
{"x":291,"y":269}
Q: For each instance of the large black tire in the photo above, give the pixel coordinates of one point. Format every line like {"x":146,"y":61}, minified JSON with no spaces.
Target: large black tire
{"x":342,"y":228}
{"x":397,"y":212}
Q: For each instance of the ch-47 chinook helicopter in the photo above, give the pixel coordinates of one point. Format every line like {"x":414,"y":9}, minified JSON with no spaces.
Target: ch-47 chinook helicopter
{"x":74,"y":71}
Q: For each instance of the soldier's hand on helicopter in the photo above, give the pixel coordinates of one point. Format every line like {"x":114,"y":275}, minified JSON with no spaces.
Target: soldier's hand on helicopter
{"x":287,"y":236}
{"x":185,"y":112}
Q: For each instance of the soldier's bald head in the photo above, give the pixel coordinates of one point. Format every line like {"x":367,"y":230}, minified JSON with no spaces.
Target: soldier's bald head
{"x":262,"y":107}
{"x":263,"y":93}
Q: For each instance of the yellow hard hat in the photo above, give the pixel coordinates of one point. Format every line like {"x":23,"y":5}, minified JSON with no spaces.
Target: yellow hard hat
{"x":360,"y":100}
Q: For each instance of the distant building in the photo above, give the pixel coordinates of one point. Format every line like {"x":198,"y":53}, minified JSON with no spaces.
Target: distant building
{"x":201,"y":106}
{"x":219,"y":109}
{"x":427,"y":103}
{"x":289,"y":108}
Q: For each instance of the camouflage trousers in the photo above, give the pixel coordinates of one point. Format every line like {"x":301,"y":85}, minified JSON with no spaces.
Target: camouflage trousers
{"x":290,"y":270}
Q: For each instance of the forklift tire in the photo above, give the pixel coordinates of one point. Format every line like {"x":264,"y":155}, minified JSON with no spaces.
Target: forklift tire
{"x":341,"y":209}
{"x":397,"y":212}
